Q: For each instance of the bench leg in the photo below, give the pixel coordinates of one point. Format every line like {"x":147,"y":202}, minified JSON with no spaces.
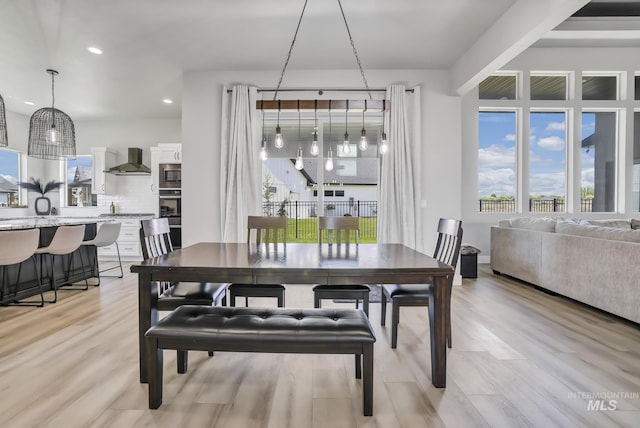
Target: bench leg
{"x":182,"y":360}
{"x":154,"y":372}
{"x":395,"y":319}
{"x":367,"y":381}
{"x":383,"y":308}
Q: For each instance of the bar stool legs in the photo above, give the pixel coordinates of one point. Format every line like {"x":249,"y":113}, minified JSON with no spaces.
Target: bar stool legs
{"x":6,"y":286}
{"x":52,"y":278}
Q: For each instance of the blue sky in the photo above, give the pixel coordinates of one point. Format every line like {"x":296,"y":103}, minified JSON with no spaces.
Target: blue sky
{"x":497,"y":154}
{"x":9,"y":165}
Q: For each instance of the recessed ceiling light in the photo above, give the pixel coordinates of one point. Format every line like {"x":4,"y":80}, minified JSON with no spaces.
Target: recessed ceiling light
{"x":167,"y":101}
{"x":29,"y":103}
{"x":94,"y":50}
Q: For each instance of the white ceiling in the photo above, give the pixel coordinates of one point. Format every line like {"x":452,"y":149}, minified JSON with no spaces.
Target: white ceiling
{"x":148,"y":44}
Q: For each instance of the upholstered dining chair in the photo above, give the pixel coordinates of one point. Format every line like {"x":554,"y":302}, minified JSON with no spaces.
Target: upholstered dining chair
{"x":16,"y":247}
{"x":107,"y":235}
{"x":447,"y":251}
{"x":269,"y":231}
{"x":155,"y":240}
{"x":339,"y":230}
{"x":66,"y":240}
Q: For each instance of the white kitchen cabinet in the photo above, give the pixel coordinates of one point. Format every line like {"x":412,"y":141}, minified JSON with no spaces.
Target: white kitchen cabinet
{"x":128,"y":242}
{"x":163,"y":153}
{"x":102,"y":183}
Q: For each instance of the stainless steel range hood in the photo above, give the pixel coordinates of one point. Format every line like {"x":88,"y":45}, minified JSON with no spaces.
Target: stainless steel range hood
{"x":133,"y":167}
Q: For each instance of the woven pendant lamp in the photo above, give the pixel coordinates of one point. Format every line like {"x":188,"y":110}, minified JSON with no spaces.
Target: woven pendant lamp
{"x":4,"y":141}
{"x":52,"y":134}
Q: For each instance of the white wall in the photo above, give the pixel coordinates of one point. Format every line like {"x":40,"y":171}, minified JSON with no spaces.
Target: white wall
{"x":130,"y":193}
{"x":574,"y":61}
{"x":201,"y":112}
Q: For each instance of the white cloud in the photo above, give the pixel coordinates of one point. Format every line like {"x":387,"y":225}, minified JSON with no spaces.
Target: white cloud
{"x":496,"y":156}
{"x":500,"y":182}
{"x":510,"y":137}
{"x":553,"y":143}
{"x":587,"y":159}
{"x":548,"y":184}
{"x":556,"y":126}
{"x":587,"y":177}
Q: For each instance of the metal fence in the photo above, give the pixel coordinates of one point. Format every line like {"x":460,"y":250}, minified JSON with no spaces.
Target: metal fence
{"x":303,"y":217}
{"x":555,"y":205}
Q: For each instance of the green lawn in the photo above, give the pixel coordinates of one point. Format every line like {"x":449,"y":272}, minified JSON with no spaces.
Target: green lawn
{"x":307,"y":230}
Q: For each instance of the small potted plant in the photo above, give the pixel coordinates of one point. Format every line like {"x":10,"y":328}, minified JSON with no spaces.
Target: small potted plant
{"x":42,"y":204}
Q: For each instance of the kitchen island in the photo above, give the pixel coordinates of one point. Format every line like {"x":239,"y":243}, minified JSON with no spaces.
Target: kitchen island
{"x":67,"y":269}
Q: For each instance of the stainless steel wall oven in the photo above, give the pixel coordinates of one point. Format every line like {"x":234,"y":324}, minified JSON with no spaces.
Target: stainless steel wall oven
{"x":170,"y":200}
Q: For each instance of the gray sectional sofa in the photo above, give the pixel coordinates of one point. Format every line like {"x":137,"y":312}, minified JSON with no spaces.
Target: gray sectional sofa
{"x":596,"y":262}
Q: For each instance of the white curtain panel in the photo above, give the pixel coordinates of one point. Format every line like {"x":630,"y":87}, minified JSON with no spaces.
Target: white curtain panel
{"x":397,"y":195}
{"x":240,"y":169}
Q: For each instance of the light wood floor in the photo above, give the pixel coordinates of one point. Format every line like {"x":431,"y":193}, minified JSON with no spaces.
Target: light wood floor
{"x":520,"y":358}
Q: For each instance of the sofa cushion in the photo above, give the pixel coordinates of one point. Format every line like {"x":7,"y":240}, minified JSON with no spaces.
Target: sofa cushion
{"x":635,"y":223}
{"x":543,"y":224}
{"x":601,"y":232}
{"x":619,"y":223}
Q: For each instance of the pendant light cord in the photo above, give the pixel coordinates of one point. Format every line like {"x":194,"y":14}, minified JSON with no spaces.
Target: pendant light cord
{"x":293,"y":42}
{"x":355,"y":51}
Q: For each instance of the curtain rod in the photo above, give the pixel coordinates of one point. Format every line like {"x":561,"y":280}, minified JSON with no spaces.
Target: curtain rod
{"x":320,"y":91}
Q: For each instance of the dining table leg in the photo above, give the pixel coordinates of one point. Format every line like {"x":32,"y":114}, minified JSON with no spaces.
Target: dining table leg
{"x":437,"y":324}
{"x":147,"y":316}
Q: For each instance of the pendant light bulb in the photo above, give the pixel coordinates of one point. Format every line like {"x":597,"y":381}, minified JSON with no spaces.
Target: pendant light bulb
{"x":363,"y":144}
{"x":384,"y":146}
{"x":263,"y":150}
{"x":329,"y":164}
{"x":52,"y":136}
{"x":299,"y":161}
{"x":314,"y":145}
{"x":279,"y":143}
{"x":346,"y":147}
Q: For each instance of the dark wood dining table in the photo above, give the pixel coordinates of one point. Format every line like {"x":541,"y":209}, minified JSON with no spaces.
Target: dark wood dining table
{"x":299,"y":264}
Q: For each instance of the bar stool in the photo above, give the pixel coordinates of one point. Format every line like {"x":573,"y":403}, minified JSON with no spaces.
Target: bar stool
{"x":66,"y":240}
{"x":107,"y":235}
{"x":17,"y":246}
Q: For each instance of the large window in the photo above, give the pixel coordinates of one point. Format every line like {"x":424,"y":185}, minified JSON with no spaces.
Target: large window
{"x":348,"y":188}
{"x":598,"y":162}
{"x":497,"y":161}
{"x":9,"y":178}
{"x":562,"y":135}
{"x":78,"y":181}
{"x":547,"y":161}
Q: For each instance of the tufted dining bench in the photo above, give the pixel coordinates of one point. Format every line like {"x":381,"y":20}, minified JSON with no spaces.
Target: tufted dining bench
{"x":272,"y":330}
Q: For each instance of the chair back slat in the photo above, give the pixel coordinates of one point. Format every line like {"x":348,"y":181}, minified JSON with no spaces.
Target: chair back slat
{"x":267,"y":230}
{"x":340,"y":228}
{"x":155,"y":240}
{"x":449,"y":240}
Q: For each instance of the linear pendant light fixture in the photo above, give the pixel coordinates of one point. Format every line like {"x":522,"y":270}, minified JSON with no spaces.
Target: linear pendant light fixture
{"x":308,"y":104}
{"x":52,"y":134}
{"x":4,"y":140}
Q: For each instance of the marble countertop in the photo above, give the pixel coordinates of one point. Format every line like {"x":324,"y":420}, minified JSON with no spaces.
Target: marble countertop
{"x":52,"y":221}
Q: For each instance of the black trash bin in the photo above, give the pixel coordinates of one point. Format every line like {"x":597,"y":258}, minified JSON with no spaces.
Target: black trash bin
{"x":469,"y":261}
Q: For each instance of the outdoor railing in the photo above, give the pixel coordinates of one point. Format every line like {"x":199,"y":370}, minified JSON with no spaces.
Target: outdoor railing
{"x":555,"y":205}
{"x":303,"y":217}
